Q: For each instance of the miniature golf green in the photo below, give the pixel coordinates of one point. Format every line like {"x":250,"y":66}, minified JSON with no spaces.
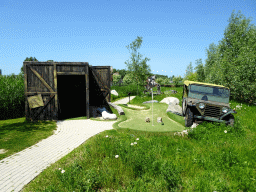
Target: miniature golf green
{"x":136,"y":119}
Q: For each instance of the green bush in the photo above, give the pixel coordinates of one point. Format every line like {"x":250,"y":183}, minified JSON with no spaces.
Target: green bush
{"x":12,"y":97}
{"x":124,"y":90}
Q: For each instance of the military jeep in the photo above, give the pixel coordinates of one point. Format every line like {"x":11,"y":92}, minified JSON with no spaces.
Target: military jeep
{"x":206,"y":102}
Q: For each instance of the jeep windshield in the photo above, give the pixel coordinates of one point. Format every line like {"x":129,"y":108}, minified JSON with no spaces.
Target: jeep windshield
{"x":209,"y":93}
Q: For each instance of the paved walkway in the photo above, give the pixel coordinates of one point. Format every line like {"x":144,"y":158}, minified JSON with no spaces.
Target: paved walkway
{"x":19,"y":169}
{"x":124,"y":101}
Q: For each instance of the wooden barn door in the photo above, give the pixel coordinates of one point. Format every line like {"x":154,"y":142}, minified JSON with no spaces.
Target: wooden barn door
{"x":39,"y":91}
{"x":102,"y":76}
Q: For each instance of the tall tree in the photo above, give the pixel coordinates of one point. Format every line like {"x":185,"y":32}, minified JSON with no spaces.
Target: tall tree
{"x":189,"y":69}
{"x":238,"y":59}
{"x":209,"y":63}
{"x":122,"y":72}
{"x":137,"y":66}
{"x":27,"y":59}
{"x":200,"y":70}
{"x":213,"y":69}
{"x":114,"y":70}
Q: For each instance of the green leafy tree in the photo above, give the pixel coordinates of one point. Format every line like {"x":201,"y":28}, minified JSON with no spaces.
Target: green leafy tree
{"x":27,"y":59}
{"x":172,"y":77}
{"x":163,"y":81}
{"x":116,"y":79}
{"x":122,"y":72}
{"x":137,"y":66}
{"x":166,"y":81}
{"x":238,"y":62}
{"x":211,"y":53}
{"x":176,"y":80}
{"x":213,"y":69}
{"x":128,"y":79}
{"x":161,"y":76}
{"x":191,"y":77}
{"x":189,"y":69}
{"x":159,"y":80}
{"x":200,"y":70}
{"x":114,"y":70}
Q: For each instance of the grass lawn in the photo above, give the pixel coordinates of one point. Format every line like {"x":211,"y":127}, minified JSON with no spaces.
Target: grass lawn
{"x":214,"y":157}
{"x":136,"y":119}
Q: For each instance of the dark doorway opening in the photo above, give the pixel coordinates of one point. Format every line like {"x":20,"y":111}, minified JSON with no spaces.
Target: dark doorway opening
{"x":71,"y":90}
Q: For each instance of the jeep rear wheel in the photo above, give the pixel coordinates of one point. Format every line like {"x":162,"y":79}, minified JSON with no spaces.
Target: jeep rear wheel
{"x":188,"y":118}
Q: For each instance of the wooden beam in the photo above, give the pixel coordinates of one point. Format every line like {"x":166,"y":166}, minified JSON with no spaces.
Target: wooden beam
{"x":25,"y":91}
{"x":70,"y":73}
{"x":42,"y":93}
{"x":55,"y":87}
{"x":109,"y":79}
{"x":39,"y":76}
{"x":101,"y":67}
{"x":55,"y":63}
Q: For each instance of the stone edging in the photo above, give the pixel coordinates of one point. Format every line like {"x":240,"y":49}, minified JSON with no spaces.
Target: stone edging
{"x":118,"y":108}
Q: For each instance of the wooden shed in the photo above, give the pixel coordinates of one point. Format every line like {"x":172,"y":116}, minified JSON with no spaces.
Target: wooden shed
{"x":62,"y":90}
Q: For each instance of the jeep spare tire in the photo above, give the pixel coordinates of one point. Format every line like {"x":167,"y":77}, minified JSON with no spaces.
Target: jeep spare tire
{"x":188,"y":118}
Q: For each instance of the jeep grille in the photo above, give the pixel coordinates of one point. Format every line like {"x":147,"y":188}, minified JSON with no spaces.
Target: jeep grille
{"x":212,"y":111}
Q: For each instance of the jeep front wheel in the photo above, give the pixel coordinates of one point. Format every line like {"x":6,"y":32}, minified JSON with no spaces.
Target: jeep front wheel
{"x":188,"y":118}
{"x":231,"y":121}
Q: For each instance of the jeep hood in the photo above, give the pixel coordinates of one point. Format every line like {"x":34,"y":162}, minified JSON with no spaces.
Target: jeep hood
{"x":195,"y":100}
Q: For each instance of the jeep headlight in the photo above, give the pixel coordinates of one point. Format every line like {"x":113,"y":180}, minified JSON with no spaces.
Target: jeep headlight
{"x":201,"y":105}
{"x":224,"y":109}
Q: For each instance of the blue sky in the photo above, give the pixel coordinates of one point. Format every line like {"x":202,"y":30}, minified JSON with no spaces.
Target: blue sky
{"x":174,"y":33}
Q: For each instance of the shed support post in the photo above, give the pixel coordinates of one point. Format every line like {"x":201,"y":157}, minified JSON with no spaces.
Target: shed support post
{"x":87,"y":92}
{"x":26,"y":86}
{"x":56,"y":94}
{"x":109,"y":80}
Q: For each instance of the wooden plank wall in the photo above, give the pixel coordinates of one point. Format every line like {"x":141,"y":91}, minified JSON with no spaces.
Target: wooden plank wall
{"x":49,"y":71}
{"x":103,"y":73}
{"x":34,"y":86}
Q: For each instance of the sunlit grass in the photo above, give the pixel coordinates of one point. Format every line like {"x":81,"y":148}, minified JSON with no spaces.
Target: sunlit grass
{"x":17,"y":134}
{"x":212,"y":157}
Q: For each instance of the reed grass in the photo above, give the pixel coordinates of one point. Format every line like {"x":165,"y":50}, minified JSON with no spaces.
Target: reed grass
{"x":11,"y":96}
